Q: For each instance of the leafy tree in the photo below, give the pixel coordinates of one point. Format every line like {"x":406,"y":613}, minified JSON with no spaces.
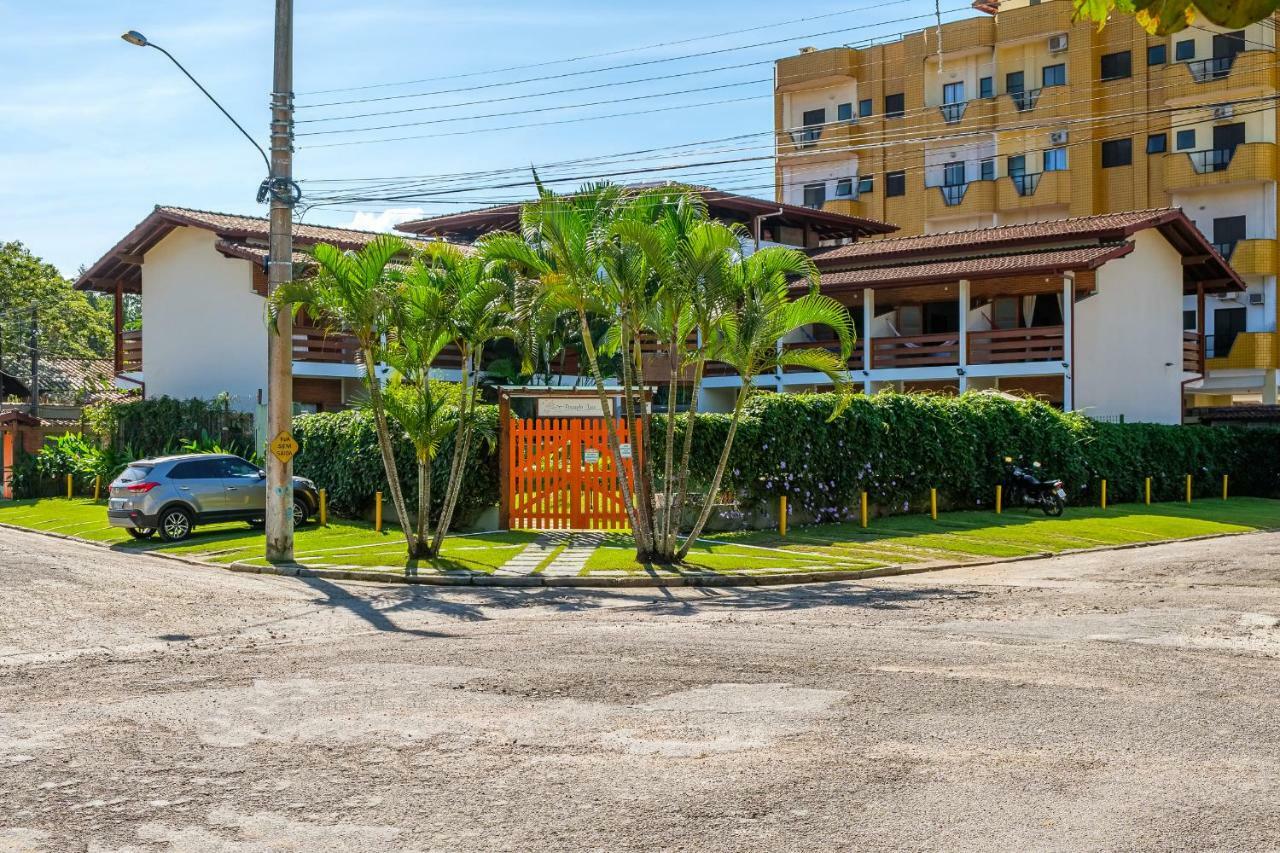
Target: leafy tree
{"x":1164,"y":17}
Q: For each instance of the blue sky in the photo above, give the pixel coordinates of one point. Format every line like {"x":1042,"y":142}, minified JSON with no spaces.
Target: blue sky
{"x":96,"y":132}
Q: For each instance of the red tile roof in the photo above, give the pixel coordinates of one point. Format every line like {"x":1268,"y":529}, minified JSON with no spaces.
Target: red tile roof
{"x":985,"y":266}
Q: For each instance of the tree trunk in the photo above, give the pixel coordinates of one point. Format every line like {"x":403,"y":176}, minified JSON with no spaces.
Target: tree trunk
{"x":682,"y":488}
{"x":666,"y":537}
{"x":715,"y":481}
{"x":384,"y":445}
{"x":424,"y":503}
{"x":455,"y":466}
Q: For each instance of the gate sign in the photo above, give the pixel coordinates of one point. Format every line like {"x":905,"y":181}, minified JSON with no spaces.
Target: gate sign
{"x":568,"y":407}
{"x":590,"y":456}
{"x":283,"y":447}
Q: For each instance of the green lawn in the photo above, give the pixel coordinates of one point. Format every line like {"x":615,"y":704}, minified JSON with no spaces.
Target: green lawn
{"x":893,"y":541}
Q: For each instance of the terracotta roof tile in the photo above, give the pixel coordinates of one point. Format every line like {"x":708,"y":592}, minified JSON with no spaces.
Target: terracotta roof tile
{"x":233,"y":224}
{"x":952,"y":269}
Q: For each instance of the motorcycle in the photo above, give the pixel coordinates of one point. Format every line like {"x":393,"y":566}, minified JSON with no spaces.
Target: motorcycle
{"x":1024,"y":487}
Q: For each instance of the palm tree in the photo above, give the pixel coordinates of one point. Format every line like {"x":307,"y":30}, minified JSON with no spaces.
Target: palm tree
{"x":749,"y":339}
{"x":350,"y":295}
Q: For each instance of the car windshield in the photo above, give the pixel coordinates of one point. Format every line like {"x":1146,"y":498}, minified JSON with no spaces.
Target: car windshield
{"x":134,"y":473}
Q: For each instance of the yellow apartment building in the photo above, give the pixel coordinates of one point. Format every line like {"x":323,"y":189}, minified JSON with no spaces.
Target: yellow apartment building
{"x":1023,"y":115}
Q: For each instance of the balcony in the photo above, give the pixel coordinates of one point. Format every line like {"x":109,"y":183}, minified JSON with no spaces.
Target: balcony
{"x":808,"y":70}
{"x":1014,"y":109}
{"x":130,"y":355}
{"x":937,"y":350}
{"x":836,"y":137}
{"x":847,"y":206}
{"x":957,"y":199}
{"x":1042,"y":20}
{"x":317,"y":345}
{"x":1250,"y":257}
{"x":1249,"y":351}
{"x":1206,"y":79}
{"x":1004,"y":346}
{"x":1250,"y":162}
{"x":829,"y":344}
{"x":1034,"y":189}
{"x":1192,"y":349}
{"x":963,"y":116}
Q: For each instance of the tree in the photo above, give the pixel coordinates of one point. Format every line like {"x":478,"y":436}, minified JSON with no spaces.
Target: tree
{"x":72,"y":323}
{"x":1164,"y":17}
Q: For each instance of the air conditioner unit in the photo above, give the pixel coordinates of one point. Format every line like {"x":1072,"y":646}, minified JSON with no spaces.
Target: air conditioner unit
{"x":1058,"y":137}
{"x":1058,"y":43}
{"x":1224,"y":111}
{"x":1257,"y":298}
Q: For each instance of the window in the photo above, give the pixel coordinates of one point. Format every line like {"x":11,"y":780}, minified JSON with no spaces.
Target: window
{"x":953,"y":93}
{"x":1157,"y":143}
{"x":1227,"y":231}
{"x":987,"y":170}
{"x":844,"y":188}
{"x":1185,"y":50}
{"x":1157,"y":54}
{"x":1186,"y":140}
{"x":1054,"y":75}
{"x":815,"y":195}
{"x":1116,"y":66}
{"x":1017,"y":165}
{"x":895,"y":106}
{"x":866,"y":183}
{"x":812,"y":117}
{"x":986,"y":87}
{"x":1228,"y":323}
{"x":240,"y":468}
{"x":1117,"y":152}
{"x":200,"y":469}
{"x":865,"y":107}
{"x":953,"y":175}
{"x":895,"y":183}
{"x":1189,"y":321}
{"x":844,"y":112}
{"x":1015,"y":82}
{"x":1055,"y":159}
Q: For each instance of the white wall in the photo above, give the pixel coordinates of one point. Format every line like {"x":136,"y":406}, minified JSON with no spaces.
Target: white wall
{"x":935,"y":160}
{"x":966,"y":69}
{"x":794,"y":178}
{"x":202,"y":324}
{"x":796,"y":104}
{"x":1256,"y":202}
{"x":1128,"y":336}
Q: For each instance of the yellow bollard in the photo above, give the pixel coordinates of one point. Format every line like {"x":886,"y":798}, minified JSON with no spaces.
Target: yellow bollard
{"x":68,"y":487}
{"x":782,"y":516}
{"x":933,"y":504}
{"x":1224,"y":487}
{"x":1104,"y":494}
{"x":324,"y":508}
{"x":97,"y":487}
{"x":864,"y":509}
{"x":1188,"y":488}
{"x":377,"y":512}
{"x":999,"y":495}
{"x":1148,"y":491}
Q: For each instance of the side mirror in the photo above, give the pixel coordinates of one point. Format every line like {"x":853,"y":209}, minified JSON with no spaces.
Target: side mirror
{"x":262,"y":475}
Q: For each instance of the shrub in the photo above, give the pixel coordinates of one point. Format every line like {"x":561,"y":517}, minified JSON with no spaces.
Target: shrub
{"x":339,"y":451}
{"x":163,"y":425}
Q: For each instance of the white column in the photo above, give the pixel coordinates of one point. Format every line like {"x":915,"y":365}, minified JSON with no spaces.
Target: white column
{"x":1068,"y":354}
{"x":868,"y":317}
{"x":963,"y":296}
{"x":1269,"y":387}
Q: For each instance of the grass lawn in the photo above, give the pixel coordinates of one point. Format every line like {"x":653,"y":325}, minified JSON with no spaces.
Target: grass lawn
{"x":897,"y":540}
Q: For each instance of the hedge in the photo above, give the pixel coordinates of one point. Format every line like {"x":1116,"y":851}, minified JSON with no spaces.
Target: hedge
{"x":159,"y":426}
{"x":339,"y":451}
{"x":898,"y":446}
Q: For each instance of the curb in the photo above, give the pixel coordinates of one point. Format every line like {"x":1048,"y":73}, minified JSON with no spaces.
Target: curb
{"x":538,"y":581}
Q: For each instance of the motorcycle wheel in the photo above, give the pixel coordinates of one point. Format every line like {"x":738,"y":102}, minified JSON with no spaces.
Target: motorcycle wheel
{"x":1053,"y":506}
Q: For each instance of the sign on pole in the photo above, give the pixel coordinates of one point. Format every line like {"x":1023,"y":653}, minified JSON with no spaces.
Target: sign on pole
{"x":283,"y":447}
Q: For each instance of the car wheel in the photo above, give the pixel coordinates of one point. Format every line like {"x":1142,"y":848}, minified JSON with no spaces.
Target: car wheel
{"x":175,"y":524}
{"x":299,"y":512}
{"x":141,"y":532}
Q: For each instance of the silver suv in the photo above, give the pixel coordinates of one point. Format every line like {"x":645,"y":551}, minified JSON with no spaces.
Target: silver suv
{"x":172,"y":494}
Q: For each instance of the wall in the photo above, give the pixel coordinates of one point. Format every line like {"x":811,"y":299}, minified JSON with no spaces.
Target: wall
{"x":1134,"y":320}
{"x":203,"y":330}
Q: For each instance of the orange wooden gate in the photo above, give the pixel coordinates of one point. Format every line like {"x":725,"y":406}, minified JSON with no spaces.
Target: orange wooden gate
{"x":560,"y":475}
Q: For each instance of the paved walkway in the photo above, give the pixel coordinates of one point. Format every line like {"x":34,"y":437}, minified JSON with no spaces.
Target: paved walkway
{"x":568,"y":563}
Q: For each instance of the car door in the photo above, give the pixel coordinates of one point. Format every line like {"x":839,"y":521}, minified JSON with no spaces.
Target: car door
{"x":199,"y":483}
{"x":246,"y":488}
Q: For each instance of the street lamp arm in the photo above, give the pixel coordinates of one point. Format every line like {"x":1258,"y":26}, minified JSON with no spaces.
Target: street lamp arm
{"x":265,"y":158}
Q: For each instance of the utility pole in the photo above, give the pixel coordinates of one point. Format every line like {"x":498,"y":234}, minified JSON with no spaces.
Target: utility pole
{"x":279,"y":511}
{"x":33,"y":341}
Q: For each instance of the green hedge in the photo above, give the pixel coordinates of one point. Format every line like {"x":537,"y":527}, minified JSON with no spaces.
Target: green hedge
{"x":162,"y":425}
{"x":339,"y":451}
{"x":897,"y":446}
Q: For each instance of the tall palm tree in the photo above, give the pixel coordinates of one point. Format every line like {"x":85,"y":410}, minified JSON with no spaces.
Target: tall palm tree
{"x":749,"y":338}
{"x":350,"y":294}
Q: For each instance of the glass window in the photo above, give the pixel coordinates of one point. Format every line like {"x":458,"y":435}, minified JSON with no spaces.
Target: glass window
{"x":812,"y":117}
{"x":895,"y":106}
{"x":815,"y":195}
{"x":953,"y":93}
{"x":866,"y":183}
{"x":986,"y":87}
{"x":844,"y":112}
{"x":1117,"y":152}
{"x":1054,"y":75}
{"x":1018,"y":164}
{"x":844,"y":187}
{"x":199,"y":469}
{"x":1157,"y":143}
{"x":1186,"y":139}
{"x":1014,"y":82}
{"x":1157,"y":54}
{"x":1055,"y":159}
{"x":1189,"y":320}
{"x":953,"y":174}
{"x":1116,"y":66}
{"x":239,"y":468}
{"x":865,"y":107}
{"x":1184,"y":50}
{"x":895,"y":183}
{"x":987,"y":170}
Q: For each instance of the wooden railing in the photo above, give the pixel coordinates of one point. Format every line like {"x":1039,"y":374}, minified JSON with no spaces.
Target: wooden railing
{"x":130,"y":351}
{"x":916,"y":350}
{"x":1192,"y":350}
{"x":831,"y":345}
{"x":314,"y":344}
{"x":998,"y":346}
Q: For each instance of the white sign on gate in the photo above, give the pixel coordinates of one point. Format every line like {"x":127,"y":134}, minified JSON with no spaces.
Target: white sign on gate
{"x":590,"y":456}
{"x":569,"y":407}
{"x":624,"y":450}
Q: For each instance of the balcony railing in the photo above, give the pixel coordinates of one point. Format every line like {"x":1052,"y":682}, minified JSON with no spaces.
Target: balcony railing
{"x":1025,"y":100}
{"x":952,"y":113}
{"x":953,"y":194}
{"x":1211,"y":160}
{"x":806,"y":137}
{"x":131,"y":351}
{"x":1026,"y":182}
{"x":314,"y":344}
{"x":1226,"y":249}
{"x":916,"y":350}
{"x":1191,"y":351}
{"x":1000,"y":346}
{"x":1204,"y":70}
{"x":830,"y":345}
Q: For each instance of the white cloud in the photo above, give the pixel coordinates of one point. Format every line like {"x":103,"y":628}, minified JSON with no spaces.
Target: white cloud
{"x":386,"y":220}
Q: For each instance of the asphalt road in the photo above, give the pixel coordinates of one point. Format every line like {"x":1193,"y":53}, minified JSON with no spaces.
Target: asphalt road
{"x":1123,"y":701}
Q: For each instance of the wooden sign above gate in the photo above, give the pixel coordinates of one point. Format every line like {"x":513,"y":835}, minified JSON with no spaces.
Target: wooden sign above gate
{"x":569,"y":407}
